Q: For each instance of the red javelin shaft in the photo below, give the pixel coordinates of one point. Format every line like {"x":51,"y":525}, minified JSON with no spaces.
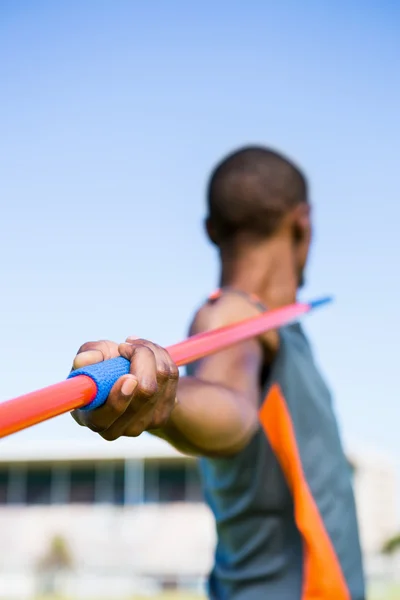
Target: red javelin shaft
{"x":49,"y":402}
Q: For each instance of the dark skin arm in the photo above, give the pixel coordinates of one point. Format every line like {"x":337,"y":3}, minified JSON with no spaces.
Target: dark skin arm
{"x":213,"y":413}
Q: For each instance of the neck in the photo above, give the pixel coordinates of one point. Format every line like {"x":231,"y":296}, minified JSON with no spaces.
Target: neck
{"x":266,"y":270}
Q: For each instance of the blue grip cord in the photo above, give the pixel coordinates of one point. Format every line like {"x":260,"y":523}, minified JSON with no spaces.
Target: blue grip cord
{"x":104,"y":374}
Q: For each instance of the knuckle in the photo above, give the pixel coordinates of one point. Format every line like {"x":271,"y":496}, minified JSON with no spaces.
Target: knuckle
{"x":109,"y":435}
{"x":104,"y":346}
{"x":136,"y":429}
{"x":171,"y":366}
{"x":117,"y":405}
{"x":143,"y":353}
{"x":144,"y":349}
{"x":174,"y":372}
{"x":147,"y":389}
{"x":111,"y":348}
{"x":160,"y":350}
{"x":140,"y":342}
{"x":88,"y":346}
{"x":159,"y":420}
{"x":77,"y":416}
{"x":96,"y":427}
{"x":163,"y":353}
{"x":163,"y":372}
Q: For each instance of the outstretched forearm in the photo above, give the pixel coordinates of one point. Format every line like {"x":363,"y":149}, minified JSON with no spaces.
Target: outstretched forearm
{"x":209,"y":419}
{"x":217,"y":409}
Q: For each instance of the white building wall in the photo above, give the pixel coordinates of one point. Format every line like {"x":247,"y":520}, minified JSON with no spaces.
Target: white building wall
{"x":375,"y":487}
{"x":154,"y":539}
{"x":160,"y":539}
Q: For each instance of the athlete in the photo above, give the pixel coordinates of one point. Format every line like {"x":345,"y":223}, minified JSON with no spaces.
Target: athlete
{"x":259,"y":414}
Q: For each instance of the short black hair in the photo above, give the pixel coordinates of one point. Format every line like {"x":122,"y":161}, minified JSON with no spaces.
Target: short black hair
{"x":251,"y":190}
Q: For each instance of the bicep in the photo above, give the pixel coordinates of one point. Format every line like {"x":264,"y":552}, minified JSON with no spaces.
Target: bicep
{"x":217,"y":410}
{"x":237,"y":368}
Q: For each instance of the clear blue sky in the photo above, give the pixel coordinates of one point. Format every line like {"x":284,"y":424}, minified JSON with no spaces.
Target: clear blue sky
{"x":112,"y":114}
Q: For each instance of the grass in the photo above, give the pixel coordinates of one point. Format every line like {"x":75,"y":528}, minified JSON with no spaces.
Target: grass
{"x":375,"y":594}
{"x":384,"y":593}
{"x":171,"y":596}
{"x":393,"y":594}
{"x":164,"y":596}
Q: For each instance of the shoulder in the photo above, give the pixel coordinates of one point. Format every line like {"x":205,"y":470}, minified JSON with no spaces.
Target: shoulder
{"x":226,"y":310}
{"x":237,"y":366}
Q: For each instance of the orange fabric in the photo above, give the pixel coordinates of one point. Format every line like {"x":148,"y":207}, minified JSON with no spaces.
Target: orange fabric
{"x":214,"y":295}
{"x":323,"y":577}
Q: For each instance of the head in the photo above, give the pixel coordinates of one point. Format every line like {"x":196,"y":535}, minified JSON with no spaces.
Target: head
{"x":255,"y":195}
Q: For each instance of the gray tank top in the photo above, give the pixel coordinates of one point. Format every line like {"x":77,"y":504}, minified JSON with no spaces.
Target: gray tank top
{"x":284,"y":506}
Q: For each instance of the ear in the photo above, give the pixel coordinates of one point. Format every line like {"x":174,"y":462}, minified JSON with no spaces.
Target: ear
{"x":210,"y":231}
{"x":301,"y":220}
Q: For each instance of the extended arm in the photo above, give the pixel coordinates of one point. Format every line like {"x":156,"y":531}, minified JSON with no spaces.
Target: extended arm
{"x":213,"y":412}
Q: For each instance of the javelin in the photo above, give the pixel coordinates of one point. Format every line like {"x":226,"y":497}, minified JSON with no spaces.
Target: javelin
{"x":88,"y":388}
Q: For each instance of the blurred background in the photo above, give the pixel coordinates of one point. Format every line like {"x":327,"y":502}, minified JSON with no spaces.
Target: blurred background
{"x":112,"y":115}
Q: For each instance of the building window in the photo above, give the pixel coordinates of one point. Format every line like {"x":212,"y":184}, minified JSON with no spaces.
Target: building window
{"x":194,"y":490}
{"x":3,"y":485}
{"x":16,"y":486}
{"x":167,"y":481}
{"x":119,"y":484}
{"x":104,"y":491}
{"x":38,"y":485}
{"x":60,"y":486}
{"x":82,"y":484}
{"x":172,"y":482}
{"x":151,"y":482}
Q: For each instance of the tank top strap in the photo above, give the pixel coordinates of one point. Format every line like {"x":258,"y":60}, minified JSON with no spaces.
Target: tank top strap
{"x":252,"y":298}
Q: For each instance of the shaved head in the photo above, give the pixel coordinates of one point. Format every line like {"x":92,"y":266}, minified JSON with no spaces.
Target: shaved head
{"x":250,"y":192}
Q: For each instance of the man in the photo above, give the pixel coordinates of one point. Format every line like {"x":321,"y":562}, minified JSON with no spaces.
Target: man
{"x":259,"y":414}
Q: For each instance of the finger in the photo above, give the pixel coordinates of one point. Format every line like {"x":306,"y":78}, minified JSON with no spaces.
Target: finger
{"x":147,"y":409}
{"x":159,"y":351}
{"x":165,"y":405}
{"x":86,"y":357}
{"x":138,"y":412}
{"x":77,"y":417}
{"x":165,"y":366}
{"x":167,"y":380}
{"x":132,"y":423}
{"x":144,"y":368}
{"x":102,"y":418}
{"x":144,"y":416}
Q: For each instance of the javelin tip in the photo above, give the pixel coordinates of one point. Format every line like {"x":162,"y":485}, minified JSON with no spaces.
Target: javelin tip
{"x":320,"y":302}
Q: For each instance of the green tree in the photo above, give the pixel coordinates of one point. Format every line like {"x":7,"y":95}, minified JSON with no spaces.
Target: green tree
{"x":391,"y":545}
{"x":56,"y":561}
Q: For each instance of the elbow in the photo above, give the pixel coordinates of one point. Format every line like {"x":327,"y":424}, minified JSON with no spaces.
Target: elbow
{"x":238,"y":437}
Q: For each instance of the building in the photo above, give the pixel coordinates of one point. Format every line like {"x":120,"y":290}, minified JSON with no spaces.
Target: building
{"x":131,"y":514}
{"x":125,"y":472}
{"x":375,"y":488}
